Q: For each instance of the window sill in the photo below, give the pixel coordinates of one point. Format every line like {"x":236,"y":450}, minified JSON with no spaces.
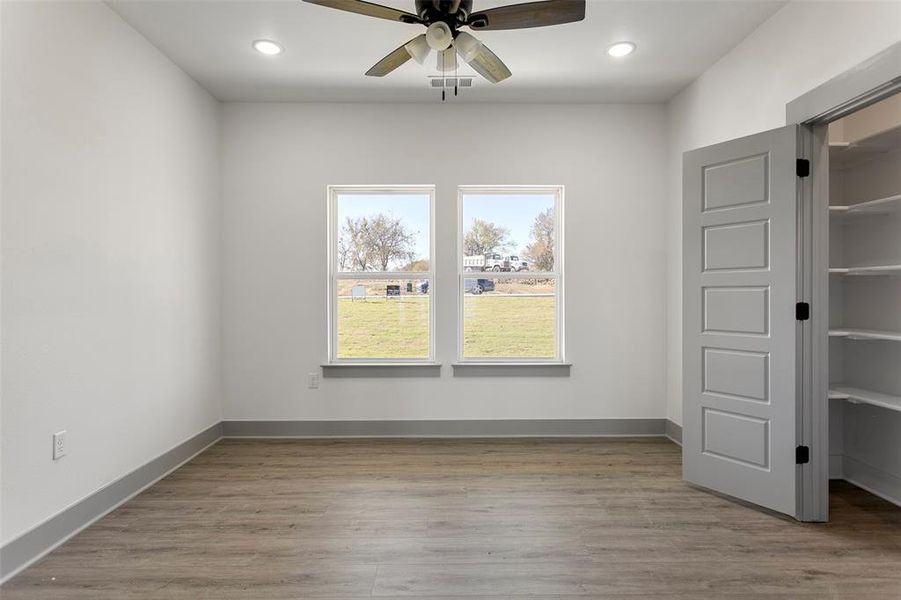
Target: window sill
{"x":511,"y":369}
{"x":381,"y":369}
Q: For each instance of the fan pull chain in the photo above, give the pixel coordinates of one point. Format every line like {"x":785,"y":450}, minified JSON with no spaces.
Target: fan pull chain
{"x":443,"y":99}
{"x":456,"y":79}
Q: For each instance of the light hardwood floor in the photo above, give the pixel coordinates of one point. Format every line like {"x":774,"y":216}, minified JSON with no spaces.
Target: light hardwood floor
{"x":462,"y":519}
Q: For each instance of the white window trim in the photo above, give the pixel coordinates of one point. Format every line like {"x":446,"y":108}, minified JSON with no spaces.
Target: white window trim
{"x":559,"y":331}
{"x":334,"y":275}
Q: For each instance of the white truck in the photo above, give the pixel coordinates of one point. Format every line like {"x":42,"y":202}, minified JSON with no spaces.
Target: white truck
{"x":486,"y":262}
{"x":516,"y":263}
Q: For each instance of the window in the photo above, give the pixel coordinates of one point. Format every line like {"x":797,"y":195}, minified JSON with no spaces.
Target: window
{"x":381,"y":275}
{"x":510,"y":274}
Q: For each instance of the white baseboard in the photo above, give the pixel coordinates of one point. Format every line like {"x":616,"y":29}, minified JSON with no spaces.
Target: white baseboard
{"x":673,"y":432}
{"x":450,"y":428}
{"x":876,"y":481}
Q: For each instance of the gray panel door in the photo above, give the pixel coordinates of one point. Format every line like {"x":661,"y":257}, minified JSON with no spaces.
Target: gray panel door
{"x":739,"y":292}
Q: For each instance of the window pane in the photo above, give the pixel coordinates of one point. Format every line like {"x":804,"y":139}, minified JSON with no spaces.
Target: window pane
{"x":383,"y":318}
{"x":382,"y":232}
{"x":508,"y":232}
{"x":509,"y":318}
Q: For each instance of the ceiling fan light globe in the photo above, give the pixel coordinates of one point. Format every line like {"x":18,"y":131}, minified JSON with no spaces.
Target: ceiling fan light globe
{"x":418,"y":49}
{"x":447,"y":60}
{"x":467,"y":46}
{"x":439,"y":36}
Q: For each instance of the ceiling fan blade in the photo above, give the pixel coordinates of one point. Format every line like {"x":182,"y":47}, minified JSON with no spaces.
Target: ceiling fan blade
{"x":390,"y":62}
{"x":369,"y":9}
{"x":530,"y":14}
{"x":488,"y":65}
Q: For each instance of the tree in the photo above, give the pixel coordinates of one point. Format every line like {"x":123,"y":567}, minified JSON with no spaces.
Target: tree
{"x":484,"y":238}
{"x":389,"y":241}
{"x":355,"y":244}
{"x":541,"y":250}
{"x":373,"y":243}
{"x":343,"y":252}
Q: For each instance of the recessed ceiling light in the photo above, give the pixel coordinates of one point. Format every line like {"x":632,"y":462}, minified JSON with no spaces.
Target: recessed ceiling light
{"x":621,"y":49}
{"x":267,"y":47}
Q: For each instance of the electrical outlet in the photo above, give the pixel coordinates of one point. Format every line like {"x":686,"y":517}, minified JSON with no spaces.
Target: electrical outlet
{"x":60,"y":447}
{"x":313,"y":381}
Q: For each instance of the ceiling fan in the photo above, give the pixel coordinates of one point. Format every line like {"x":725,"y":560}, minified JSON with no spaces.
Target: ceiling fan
{"x":443,"y":20}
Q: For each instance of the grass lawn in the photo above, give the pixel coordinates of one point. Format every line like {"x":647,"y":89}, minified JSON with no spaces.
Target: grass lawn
{"x":494,"y":326}
{"x":508,"y":326}
{"x":383,"y":327}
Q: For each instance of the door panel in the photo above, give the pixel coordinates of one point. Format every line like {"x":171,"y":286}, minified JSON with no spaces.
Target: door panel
{"x":742,"y":375}
{"x":735,"y":183}
{"x":739,"y":331}
{"x":736,"y":310}
{"x":738,"y":437}
{"x":736,"y":246}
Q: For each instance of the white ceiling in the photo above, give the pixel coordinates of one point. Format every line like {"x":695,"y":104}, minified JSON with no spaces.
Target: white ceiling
{"x":327,"y":51}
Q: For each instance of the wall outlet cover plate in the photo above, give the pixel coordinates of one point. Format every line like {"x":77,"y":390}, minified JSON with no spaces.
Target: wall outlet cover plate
{"x":59,"y":445}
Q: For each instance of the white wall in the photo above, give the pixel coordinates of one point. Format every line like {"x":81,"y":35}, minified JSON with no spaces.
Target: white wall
{"x":110,"y":242}
{"x":800,"y":47}
{"x":278,"y":160}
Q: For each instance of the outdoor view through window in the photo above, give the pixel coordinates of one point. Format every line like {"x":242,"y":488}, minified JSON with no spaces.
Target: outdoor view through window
{"x":510,"y":273}
{"x":383,"y":279}
{"x":381,"y":273}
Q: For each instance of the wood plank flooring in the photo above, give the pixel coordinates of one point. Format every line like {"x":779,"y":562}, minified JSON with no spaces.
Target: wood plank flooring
{"x":462,"y":519}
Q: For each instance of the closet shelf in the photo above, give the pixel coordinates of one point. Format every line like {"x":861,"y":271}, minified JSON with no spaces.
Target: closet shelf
{"x":880,"y":206}
{"x":857,"y":395}
{"x":870,"y":270}
{"x":866,"y":334}
{"x":844,"y":155}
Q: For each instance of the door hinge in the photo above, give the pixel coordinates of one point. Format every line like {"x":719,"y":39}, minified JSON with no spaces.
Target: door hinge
{"x":802,"y":455}
{"x":802,"y":311}
{"x":802,"y":167}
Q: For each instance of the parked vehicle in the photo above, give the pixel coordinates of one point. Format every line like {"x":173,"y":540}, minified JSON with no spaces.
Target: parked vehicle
{"x":486,"y":262}
{"x":422,"y":287}
{"x":516,"y":263}
{"x":477,"y":286}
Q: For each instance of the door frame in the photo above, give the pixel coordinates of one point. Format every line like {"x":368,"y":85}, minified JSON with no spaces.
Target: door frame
{"x":869,"y":82}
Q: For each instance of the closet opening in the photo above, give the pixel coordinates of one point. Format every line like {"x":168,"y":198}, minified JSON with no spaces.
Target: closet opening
{"x":863,"y":271}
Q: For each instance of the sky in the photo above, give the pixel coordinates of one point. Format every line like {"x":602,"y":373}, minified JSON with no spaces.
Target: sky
{"x":515,"y":212}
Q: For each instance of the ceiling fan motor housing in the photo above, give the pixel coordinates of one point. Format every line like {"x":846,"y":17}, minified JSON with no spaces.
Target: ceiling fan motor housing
{"x":453,"y":12}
